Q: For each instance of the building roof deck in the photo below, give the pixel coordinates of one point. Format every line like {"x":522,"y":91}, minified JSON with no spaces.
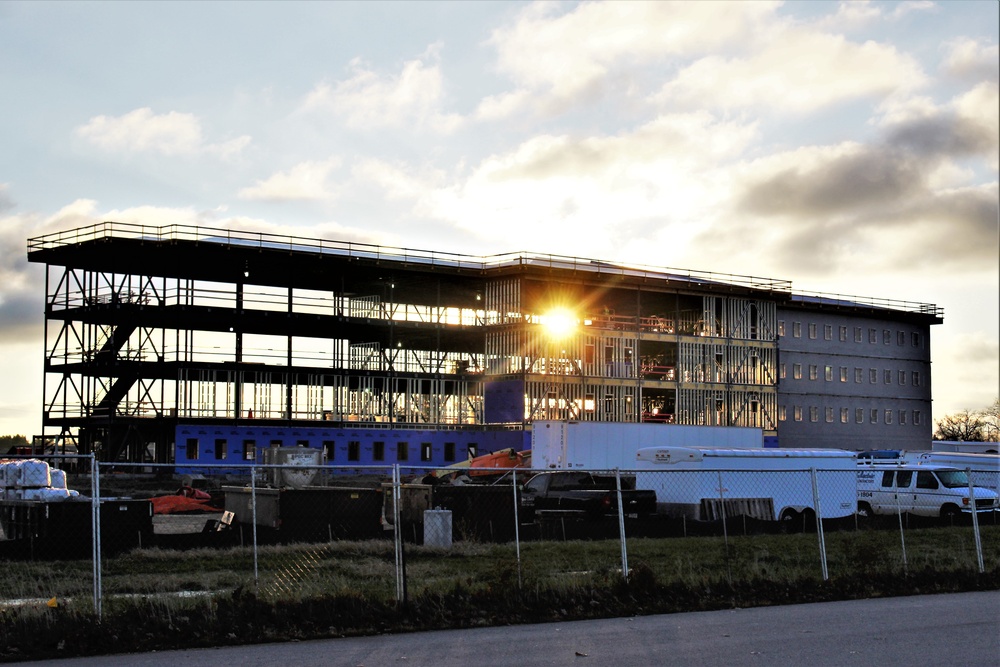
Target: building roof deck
{"x":49,"y":246}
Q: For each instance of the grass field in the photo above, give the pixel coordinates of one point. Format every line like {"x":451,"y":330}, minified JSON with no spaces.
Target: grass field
{"x":158,"y":599}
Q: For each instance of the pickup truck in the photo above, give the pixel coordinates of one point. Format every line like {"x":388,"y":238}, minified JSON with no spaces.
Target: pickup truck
{"x":585,"y":492}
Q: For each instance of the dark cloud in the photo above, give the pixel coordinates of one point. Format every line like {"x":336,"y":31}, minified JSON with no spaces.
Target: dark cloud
{"x":6,"y":203}
{"x":21,"y":317}
{"x":21,"y":284}
{"x":943,"y":135}
{"x":880,"y":176}
{"x":868,"y":178}
{"x":877,"y":204}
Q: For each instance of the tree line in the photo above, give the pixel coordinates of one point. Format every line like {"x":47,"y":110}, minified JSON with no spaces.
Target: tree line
{"x":971,"y":425}
{"x":9,"y":442}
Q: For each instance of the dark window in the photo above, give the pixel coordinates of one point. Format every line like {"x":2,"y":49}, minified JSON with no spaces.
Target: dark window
{"x":378,"y":451}
{"x":903,"y":479}
{"x":220,"y":449}
{"x":276,"y":443}
{"x":887,"y":478}
{"x":353,"y":450}
{"x":425,"y":451}
{"x":302,"y":443}
{"x":449,"y":452}
{"x":926,"y":480}
{"x":588,"y":353}
{"x":191,"y":449}
{"x":473,"y":450}
{"x":402,"y":451}
{"x":329,"y":449}
{"x":249,"y":450}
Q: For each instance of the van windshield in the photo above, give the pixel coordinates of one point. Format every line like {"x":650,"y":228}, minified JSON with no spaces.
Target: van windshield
{"x":953,"y":478}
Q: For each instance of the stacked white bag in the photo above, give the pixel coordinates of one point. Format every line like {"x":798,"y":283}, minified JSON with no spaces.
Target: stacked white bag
{"x":31,"y":479}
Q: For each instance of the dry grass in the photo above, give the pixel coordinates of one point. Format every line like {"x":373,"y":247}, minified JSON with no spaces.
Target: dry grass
{"x":156,"y":598}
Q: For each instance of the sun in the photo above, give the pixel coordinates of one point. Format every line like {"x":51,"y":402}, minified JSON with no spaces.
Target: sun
{"x":559,"y":322}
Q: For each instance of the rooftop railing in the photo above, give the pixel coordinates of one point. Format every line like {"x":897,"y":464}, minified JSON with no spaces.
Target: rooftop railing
{"x":267,"y":240}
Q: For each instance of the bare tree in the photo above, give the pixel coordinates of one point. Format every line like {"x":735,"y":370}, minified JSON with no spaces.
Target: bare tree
{"x":964,"y":426}
{"x":991,"y":422}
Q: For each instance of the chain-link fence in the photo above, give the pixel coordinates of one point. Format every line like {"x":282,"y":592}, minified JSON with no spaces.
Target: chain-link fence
{"x":75,"y":531}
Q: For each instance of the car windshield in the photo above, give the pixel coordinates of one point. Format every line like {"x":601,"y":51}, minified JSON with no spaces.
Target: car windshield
{"x":953,"y":479}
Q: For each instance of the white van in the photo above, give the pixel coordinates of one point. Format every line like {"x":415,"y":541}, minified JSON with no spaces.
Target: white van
{"x":923,"y":490}
{"x":983,"y":469}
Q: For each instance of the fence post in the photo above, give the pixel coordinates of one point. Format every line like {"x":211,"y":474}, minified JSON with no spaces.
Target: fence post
{"x":621,"y":524}
{"x":398,"y":535}
{"x":517,"y":526}
{"x":899,"y":513}
{"x":253,"y":519}
{"x":819,"y":524}
{"x":95,"y":537}
{"x":722,"y":509}
{"x":975,"y":522}
{"x":725,"y":529}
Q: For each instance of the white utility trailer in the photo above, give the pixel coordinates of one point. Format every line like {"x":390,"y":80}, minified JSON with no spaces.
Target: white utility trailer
{"x":773,"y":484}
{"x":605,"y":445}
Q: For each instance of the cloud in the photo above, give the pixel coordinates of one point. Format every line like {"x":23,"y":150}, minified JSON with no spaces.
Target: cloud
{"x":856,"y":14}
{"x":556,"y":57}
{"x":797,"y":70}
{"x":658,"y":175}
{"x":21,"y":301}
{"x":304,"y":181}
{"x":968,"y":125}
{"x":874,"y":208}
{"x":853,"y":14}
{"x":6,"y":203}
{"x":966,"y":372}
{"x":142,"y":131}
{"x":397,"y":181}
{"x":910,"y":6}
{"x":825,"y":181}
{"x":695,"y":55}
{"x":971,"y":60}
{"x":369,"y":100}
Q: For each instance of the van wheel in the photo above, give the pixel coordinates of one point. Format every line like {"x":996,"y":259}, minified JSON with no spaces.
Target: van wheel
{"x":864,"y":510}
{"x":950,"y":514}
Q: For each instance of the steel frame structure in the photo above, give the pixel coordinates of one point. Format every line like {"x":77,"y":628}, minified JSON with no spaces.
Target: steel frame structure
{"x":150,"y":327}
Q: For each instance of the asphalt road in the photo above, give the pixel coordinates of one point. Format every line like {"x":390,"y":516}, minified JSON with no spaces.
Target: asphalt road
{"x":960,"y":629}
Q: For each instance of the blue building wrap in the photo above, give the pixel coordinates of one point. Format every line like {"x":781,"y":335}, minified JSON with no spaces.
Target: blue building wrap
{"x":234,"y":447}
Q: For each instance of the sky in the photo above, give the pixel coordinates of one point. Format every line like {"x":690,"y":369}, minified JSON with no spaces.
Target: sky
{"x":851,"y":148}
